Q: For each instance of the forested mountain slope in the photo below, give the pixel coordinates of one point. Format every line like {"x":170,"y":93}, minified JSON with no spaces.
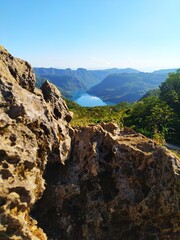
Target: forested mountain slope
{"x":126,"y":87}
{"x":80,"y":79}
{"x":111,"y":85}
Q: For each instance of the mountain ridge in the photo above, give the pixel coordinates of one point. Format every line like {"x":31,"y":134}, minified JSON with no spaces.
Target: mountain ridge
{"x":87,"y":78}
{"x":95,"y":82}
{"x":126,"y":87}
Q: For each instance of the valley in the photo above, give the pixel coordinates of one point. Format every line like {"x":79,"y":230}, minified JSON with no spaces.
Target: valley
{"x":110,"y":85}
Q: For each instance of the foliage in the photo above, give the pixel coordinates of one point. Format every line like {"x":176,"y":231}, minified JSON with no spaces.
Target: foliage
{"x":128,"y":87}
{"x":150,"y":116}
{"x":153,"y":92}
{"x":92,"y":115}
{"x":158,"y":115}
{"x":170,"y":93}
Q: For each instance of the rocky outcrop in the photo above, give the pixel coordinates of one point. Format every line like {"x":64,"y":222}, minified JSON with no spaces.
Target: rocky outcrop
{"x":33,"y":129}
{"x":116,"y":185}
{"x":95,"y":182}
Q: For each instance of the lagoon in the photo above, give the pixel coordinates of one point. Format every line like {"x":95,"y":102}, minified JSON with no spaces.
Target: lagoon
{"x":87,"y":100}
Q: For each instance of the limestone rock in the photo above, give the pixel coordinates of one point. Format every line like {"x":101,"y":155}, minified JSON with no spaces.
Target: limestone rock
{"x":33,"y":131}
{"x":17,"y":69}
{"x":117,"y":185}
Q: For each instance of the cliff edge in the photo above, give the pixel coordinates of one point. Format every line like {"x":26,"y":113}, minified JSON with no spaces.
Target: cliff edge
{"x":95,"y":182}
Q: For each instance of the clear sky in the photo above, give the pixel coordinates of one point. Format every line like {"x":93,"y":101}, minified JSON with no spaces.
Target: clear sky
{"x":142,"y":34}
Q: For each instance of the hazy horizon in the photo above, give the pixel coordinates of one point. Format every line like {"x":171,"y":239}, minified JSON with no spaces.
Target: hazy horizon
{"x":93,"y":34}
{"x":105,"y":68}
{"x":108,"y":68}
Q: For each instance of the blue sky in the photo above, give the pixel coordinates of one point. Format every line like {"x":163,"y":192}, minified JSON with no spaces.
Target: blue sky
{"x":142,"y":34}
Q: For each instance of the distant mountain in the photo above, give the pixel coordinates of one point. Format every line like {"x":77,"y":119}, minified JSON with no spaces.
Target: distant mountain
{"x":112,"y":85}
{"x":102,"y":74}
{"x":77,"y":80}
{"x":165,"y":71}
{"x":126,"y":87}
{"x":39,"y":82}
{"x":68,"y":83}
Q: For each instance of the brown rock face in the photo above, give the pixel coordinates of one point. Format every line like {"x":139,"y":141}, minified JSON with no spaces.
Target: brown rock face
{"x":116,"y":185}
{"x":33,"y":130}
{"x":17,"y":69}
{"x":102,"y":183}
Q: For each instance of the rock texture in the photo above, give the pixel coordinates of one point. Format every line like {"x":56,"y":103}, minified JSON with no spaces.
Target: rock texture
{"x":33,"y":129}
{"x":93,"y":183}
{"x":116,"y":185}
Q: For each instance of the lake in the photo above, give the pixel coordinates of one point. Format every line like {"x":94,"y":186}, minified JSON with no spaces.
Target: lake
{"x":87,"y":100}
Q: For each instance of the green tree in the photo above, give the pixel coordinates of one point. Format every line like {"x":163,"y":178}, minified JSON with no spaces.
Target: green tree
{"x":161,"y":116}
{"x":150,"y":116}
{"x":170,"y":91}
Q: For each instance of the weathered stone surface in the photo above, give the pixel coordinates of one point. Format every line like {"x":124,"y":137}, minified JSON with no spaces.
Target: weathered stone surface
{"x":17,"y":69}
{"x":117,"y":185}
{"x":32,"y":132}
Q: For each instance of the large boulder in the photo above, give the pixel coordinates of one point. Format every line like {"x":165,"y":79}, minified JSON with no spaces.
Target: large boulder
{"x":34,"y":129}
{"x":117,"y":185}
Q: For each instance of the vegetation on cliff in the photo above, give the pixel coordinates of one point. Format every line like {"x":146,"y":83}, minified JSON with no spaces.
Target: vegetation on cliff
{"x":157,"y":115}
{"x":84,"y":116}
{"x":126,"y":87}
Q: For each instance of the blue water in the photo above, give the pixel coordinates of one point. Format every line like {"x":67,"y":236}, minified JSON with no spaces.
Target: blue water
{"x":87,"y":100}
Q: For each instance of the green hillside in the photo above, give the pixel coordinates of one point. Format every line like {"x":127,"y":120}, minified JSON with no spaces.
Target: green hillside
{"x":119,"y":85}
{"x":102,"y":74}
{"x":157,"y":115}
{"x":81,"y":79}
{"x":67,"y":83}
{"x":128,"y":87}
{"x":77,"y":79}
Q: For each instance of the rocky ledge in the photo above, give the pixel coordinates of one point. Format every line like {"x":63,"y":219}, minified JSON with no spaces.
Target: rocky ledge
{"x":96,"y":182}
